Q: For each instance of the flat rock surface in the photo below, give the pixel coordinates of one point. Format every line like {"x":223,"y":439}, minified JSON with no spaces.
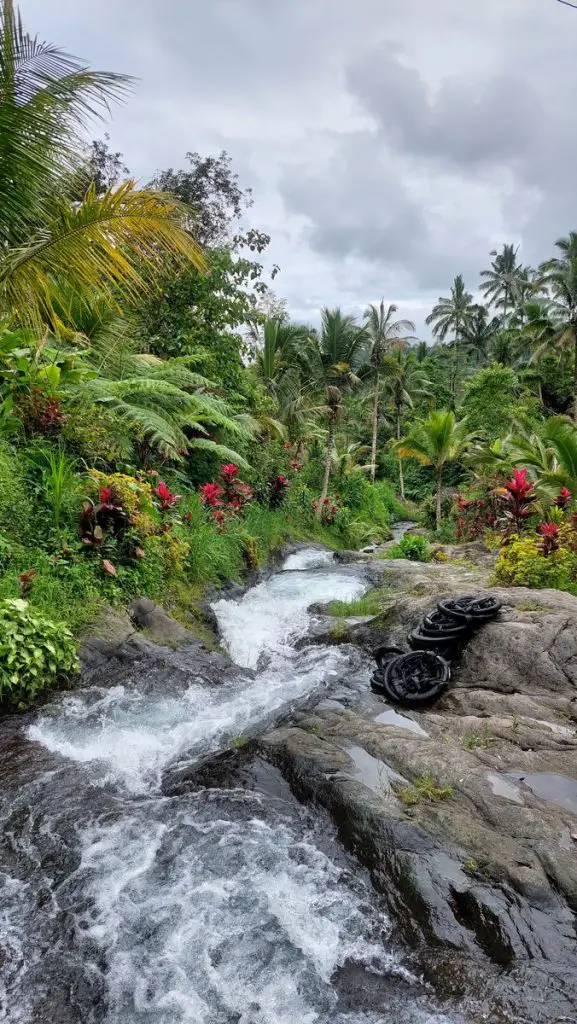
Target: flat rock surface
{"x":467,"y":812}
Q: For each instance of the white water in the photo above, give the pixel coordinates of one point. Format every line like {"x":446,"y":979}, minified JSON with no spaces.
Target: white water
{"x":219,"y":906}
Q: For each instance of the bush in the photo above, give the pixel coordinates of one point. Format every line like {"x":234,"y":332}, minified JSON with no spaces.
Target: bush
{"x":522,"y":563}
{"x":429,"y":508}
{"x":413,"y":547}
{"x":35,"y":653}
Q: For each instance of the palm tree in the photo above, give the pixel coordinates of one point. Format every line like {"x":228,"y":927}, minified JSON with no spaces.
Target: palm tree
{"x":405,"y":382}
{"x":452,"y":315}
{"x":479,"y":332}
{"x":434,"y":442}
{"x":561,"y":278}
{"x":332,"y":368}
{"x":501,"y":278}
{"x":277,"y":351}
{"x":550,"y":454}
{"x":382,"y":332}
{"x":110,"y":241}
{"x":421,"y":350}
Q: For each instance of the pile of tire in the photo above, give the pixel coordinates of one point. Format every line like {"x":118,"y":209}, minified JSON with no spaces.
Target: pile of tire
{"x":418,"y":677}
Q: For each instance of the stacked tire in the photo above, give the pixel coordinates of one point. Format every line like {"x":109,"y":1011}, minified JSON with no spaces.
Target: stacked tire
{"x":418,"y":677}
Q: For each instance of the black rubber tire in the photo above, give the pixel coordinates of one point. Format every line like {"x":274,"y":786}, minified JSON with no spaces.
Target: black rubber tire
{"x":416,"y":679}
{"x":445,"y":646}
{"x":382,"y":655}
{"x":473,"y":610}
{"x":378,"y":682}
{"x":437,"y":624}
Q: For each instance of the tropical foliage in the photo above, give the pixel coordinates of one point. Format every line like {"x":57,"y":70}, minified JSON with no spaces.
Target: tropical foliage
{"x":164,"y":423}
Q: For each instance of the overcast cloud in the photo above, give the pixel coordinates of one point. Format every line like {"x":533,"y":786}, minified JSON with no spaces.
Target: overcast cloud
{"x":390,"y":144}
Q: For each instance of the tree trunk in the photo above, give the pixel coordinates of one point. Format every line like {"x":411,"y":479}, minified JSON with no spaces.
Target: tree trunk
{"x":455,"y":368}
{"x":375,"y":430}
{"x":439,"y":489}
{"x":401,"y":474}
{"x":575,"y":373}
{"x":327,"y":474}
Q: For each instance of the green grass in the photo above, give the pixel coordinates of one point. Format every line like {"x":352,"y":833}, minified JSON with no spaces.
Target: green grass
{"x":478,"y":739}
{"x":425,"y":787}
{"x":369,"y":604}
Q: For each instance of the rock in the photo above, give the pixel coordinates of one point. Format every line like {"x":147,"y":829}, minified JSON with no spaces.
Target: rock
{"x":159,"y":626}
{"x":166,"y":656}
{"x":475,"y":853}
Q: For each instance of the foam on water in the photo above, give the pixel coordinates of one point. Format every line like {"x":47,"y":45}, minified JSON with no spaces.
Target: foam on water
{"x":274,"y":613}
{"x":131,"y":737}
{"x":250,"y":923}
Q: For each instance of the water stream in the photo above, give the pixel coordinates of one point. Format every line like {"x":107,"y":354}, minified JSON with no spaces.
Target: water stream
{"x":227,"y":904}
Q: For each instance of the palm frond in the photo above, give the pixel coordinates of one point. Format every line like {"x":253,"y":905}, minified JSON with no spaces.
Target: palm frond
{"x":109,"y":242}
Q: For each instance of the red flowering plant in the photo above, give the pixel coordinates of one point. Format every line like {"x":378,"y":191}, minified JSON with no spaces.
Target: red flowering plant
{"x":474,"y":515}
{"x":167,"y":500}
{"x":227,"y":497}
{"x":118,"y":514}
{"x":329,"y":510}
{"x":517,"y":497}
{"x":278,"y":487}
{"x":550,"y":537}
{"x":563,"y":499}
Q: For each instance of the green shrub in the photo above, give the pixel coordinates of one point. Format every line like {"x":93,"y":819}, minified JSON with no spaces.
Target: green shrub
{"x":428,"y":509}
{"x":35,"y":653}
{"x":521,"y":563}
{"x":413,"y":547}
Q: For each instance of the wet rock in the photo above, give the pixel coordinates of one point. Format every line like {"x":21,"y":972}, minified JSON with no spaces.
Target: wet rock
{"x":496,"y":940}
{"x":482,"y":881}
{"x":159,"y":626}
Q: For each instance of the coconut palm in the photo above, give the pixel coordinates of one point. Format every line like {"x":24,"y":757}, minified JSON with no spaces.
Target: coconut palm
{"x":332,"y":368}
{"x":277,"y":346}
{"x":479,"y":331}
{"x":435,"y":441}
{"x":382,"y":332}
{"x":110,"y":241}
{"x":561,"y":277}
{"x":452,"y":315}
{"x":405,"y":381}
{"x":499,"y":282}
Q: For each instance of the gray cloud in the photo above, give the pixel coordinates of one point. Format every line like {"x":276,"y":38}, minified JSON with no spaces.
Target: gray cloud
{"x":468,"y":123}
{"x":389,"y":145}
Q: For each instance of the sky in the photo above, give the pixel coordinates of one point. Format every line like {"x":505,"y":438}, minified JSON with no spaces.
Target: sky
{"x":390,"y":144}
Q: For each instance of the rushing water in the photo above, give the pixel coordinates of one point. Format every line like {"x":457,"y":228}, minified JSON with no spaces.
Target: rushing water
{"x":226,"y":904}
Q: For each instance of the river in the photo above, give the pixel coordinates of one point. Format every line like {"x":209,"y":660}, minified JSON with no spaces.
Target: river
{"x":124,"y":901}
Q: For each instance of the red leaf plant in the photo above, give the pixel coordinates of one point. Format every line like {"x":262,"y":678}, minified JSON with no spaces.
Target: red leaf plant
{"x":25,"y":581}
{"x":166,"y":498}
{"x":229,"y":496}
{"x":278,"y":486}
{"x":518,"y":497}
{"x":328,"y":513}
{"x":550,"y":537}
{"x":563,"y":499}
